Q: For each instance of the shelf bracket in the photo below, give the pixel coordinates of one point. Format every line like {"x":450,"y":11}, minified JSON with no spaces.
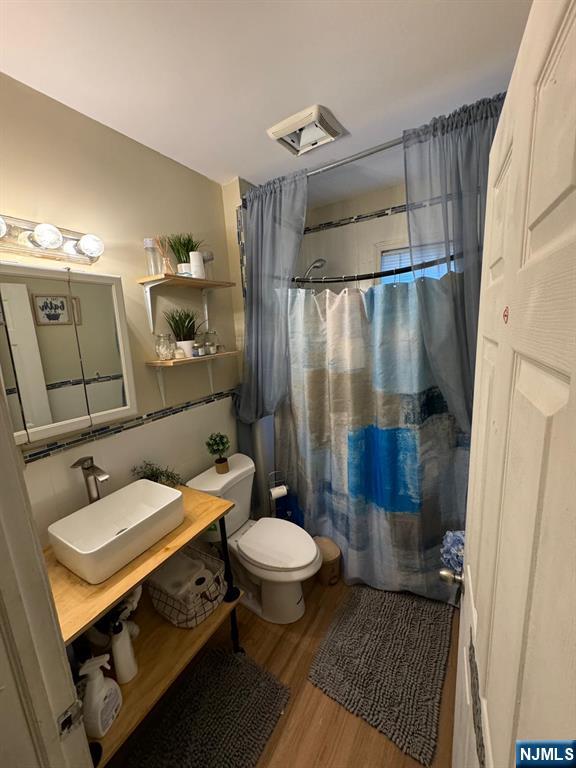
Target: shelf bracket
{"x":205,"y":305}
{"x":148,"y":301}
{"x":210,"y":377}
{"x":161,"y":386}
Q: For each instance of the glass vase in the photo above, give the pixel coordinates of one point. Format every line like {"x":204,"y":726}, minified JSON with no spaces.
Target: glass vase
{"x":164,"y":346}
{"x":153,"y":258}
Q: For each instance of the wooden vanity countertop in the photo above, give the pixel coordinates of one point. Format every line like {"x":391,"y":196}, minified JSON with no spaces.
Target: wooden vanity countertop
{"x":79,"y":604}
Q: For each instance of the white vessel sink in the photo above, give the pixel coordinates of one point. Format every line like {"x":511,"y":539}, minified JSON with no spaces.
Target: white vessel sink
{"x":98,"y":540}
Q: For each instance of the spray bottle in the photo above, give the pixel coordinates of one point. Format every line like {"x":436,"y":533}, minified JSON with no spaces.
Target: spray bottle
{"x":125,"y":665}
{"x":102,"y":699}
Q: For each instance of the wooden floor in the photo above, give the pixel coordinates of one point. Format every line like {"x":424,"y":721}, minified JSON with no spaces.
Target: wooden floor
{"x":315,"y":732}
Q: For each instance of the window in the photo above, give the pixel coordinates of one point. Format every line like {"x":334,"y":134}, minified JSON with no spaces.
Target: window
{"x":398,"y":263}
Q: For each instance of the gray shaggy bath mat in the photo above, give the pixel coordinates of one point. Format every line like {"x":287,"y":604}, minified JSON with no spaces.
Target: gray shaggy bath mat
{"x":384,"y":659}
{"x":220,"y":714}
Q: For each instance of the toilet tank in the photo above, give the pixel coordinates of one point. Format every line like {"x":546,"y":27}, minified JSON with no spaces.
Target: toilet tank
{"x":235,"y":485}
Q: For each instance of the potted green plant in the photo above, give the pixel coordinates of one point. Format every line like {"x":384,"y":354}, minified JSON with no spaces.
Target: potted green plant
{"x":184,"y":326}
{"x":187,"y":251}
{"x":219,"y":445}
{"x":163,"y":475}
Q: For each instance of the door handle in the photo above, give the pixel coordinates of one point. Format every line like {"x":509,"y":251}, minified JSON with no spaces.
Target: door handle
{"x":449,"y":576}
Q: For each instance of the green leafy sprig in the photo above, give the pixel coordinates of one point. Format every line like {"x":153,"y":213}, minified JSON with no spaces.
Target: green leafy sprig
{"x":163,"y":475}
{"x":183,"y":323}
{"x":218,"y":444}
{"x":182,"y":245}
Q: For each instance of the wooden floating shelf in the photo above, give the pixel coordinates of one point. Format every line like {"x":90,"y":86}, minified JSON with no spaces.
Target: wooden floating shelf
{"x":190,"y":282}
{"x":188,"y":360}
{"x":79,"y":604}
{"x":162,"y":651}
{"x":155,"y":281}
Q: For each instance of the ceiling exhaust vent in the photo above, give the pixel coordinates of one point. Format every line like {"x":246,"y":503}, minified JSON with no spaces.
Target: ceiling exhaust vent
{"x":307,"y":130}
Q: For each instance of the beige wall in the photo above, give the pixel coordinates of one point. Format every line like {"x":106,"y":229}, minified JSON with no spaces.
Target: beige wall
{"x":59,"y":166}
{"x":354,"y":248}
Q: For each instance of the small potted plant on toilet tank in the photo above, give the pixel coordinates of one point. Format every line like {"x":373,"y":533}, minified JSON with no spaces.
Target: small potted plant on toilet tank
{"x":219,"y":445}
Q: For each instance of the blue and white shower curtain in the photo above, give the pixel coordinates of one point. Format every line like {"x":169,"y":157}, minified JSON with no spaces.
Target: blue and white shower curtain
{"x":365,"y":439}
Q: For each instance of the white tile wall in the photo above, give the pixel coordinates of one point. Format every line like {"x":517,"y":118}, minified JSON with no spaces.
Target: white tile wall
{"x":55,"y":490}
{"x":67,"y":402}
{"x":105,"y":395}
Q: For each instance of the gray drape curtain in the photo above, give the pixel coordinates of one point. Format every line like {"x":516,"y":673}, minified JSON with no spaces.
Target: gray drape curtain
{"x":446,"y":170}
{"x":273,"y":228}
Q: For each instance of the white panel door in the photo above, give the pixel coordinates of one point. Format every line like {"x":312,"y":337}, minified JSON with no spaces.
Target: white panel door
{"x":36,"y":686}
{"x":517,"y":659}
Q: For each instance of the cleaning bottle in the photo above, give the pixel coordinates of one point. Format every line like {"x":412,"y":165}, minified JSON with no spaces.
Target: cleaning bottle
{"x":125,"y":665}
{"x":102,"y":699}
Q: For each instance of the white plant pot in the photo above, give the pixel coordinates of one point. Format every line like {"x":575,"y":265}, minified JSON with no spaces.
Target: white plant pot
{"x":186,"y":346}
{"x":183,"y":269}
{"x":197,"y":265}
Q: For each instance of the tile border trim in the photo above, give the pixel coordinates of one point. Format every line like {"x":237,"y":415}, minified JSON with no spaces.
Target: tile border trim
{"x":36,"y":453}
{"x":73,"y":382}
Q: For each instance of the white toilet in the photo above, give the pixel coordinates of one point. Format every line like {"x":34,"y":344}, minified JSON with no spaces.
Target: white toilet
{"x":270,"y":557}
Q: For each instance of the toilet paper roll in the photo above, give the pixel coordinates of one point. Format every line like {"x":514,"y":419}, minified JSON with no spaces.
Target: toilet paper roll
{"x":201,"y":582}
{"x":278,"y":492}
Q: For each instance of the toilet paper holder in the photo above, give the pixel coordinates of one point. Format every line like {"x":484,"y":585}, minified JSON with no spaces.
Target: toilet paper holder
{"x":277,"y":488}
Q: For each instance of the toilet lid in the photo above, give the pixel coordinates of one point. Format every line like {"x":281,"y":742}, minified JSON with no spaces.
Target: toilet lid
{"x":278,"y":545}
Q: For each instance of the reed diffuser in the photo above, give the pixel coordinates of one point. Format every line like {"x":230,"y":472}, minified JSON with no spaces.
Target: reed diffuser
{"x":163,"y":248}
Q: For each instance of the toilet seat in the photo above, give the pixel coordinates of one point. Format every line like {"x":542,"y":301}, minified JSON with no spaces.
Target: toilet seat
{"x":277,"y":545}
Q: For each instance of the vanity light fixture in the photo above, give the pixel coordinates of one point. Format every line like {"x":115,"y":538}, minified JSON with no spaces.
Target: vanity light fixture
{"x":20,"y":236}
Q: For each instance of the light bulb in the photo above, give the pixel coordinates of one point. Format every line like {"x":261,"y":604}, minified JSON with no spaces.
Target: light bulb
{"x":3,"y":227}
{"x":90,"y":245}
{"x":47,"y":236}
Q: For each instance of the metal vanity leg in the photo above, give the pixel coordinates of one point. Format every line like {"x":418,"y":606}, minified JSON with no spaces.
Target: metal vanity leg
{"x":234,"y":634}
{"x":232,"y":592}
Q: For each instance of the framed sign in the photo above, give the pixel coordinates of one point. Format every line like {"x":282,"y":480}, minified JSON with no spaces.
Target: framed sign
{"x":56,"y":310}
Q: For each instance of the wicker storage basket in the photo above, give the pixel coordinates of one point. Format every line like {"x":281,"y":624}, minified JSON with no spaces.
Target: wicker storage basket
{"x":190,"y":605}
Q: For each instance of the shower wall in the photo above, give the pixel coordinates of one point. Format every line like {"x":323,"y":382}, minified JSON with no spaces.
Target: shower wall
{"x":354,"y":248}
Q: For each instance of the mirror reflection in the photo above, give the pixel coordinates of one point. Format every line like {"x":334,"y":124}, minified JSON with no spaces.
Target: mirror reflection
{"x":95,"y":320}
{"x":9,"y":378}
{"x":63,"y":351}
{"x":40,"y":348}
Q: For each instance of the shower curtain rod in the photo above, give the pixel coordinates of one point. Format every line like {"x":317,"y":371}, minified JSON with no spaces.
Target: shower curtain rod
{"x":372,"y":275}
{"x":357,"y":219}
{"x":346,"y":160}
{"x":357,"y":156}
